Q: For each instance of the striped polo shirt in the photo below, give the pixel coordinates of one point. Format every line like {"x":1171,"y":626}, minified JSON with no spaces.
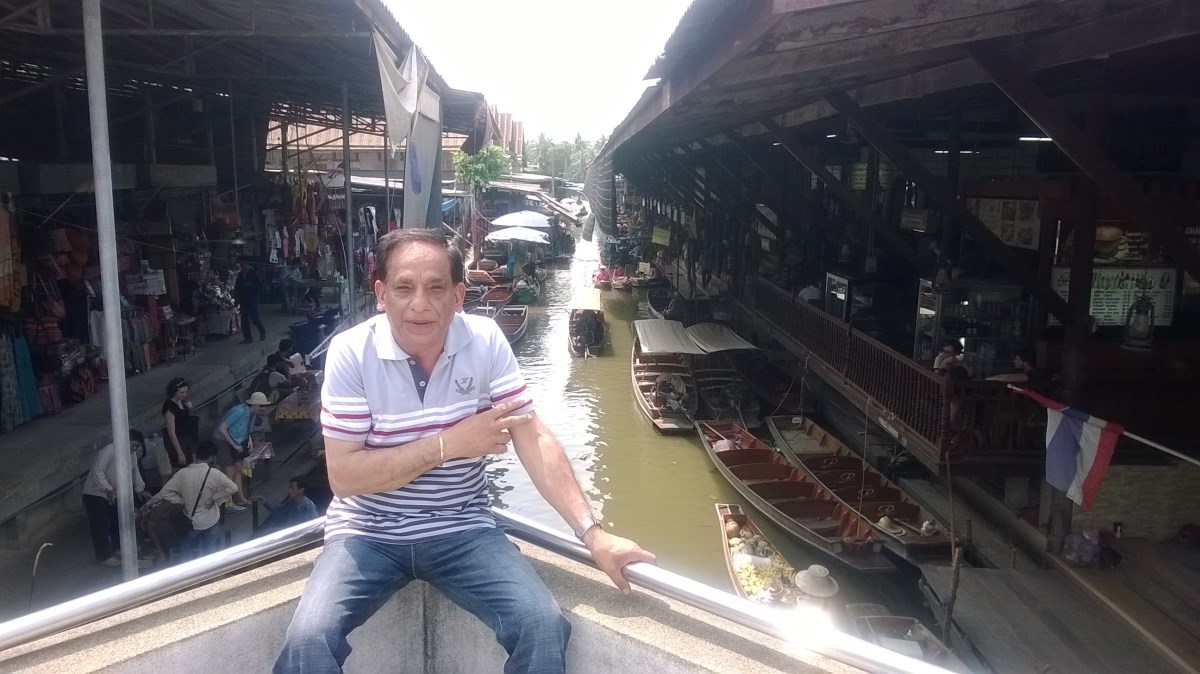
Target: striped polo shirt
{"x":374,"y":393}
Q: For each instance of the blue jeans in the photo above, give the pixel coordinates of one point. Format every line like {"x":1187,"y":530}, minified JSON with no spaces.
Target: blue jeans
{"x":479,"y":570}
{"x":200,"y":543}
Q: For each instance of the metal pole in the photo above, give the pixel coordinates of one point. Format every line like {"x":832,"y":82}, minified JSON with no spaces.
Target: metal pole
{"x":387,"y":181}
{"x":237,"y":203}
{"x":349,"y":198}
{"x":118,"y":413}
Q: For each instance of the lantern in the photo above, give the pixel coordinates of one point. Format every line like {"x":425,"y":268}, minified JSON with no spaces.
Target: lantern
{"x":1139,"y":325}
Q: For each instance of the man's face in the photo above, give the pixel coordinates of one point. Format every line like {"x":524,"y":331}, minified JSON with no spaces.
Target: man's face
{"x":419,"y":298}
{"x":136,"y":447}
{"x":260,"y":410}
{"x":948,"y":350}
{"x":294,"y":491}
{"x":1018,"y":363}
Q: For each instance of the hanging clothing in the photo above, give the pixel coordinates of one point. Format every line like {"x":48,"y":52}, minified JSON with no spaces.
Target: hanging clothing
{"x":31,"y":406}
{"x":11,"y":412}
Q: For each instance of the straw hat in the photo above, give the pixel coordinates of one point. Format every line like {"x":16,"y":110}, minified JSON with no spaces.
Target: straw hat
{"x":815,"y":581}
{"x":258,"y":398}
{"x":889,"y":526}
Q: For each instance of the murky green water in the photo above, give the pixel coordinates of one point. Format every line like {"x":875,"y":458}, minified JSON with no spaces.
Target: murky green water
{"x":657,"y":490}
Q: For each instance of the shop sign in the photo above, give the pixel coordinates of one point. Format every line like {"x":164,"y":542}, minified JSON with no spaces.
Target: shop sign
{"x":915,"y":219}
{"x":1017,"y":222}
{"x":1115,"y":289}
{"x":661,"y":237}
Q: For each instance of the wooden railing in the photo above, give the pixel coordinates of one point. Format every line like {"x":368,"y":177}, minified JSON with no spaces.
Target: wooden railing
{"x":938,"y":420}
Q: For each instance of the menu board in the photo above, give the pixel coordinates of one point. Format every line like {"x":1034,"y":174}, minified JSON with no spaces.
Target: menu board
{"x":1115,"y":289}
{"x":1017,"y":222}
{"x":661,"y":237}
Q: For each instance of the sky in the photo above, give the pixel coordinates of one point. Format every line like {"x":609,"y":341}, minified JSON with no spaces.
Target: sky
{"x":560,"y":66}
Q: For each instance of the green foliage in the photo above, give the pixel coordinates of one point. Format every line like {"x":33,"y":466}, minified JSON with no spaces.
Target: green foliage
{"x":567,"y":160}
{"x":477,"y":171}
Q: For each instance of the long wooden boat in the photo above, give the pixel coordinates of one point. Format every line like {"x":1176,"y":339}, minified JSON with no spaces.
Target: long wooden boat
{"x":792,"y":500}
{"x":876,"y":624}
{"x":585,"y":325}
{"x":909,"y":530}
{"x":496,"y":297}
{"x":733,"y":524}
{"x":724,"y":392}
{"x":513,"y":320}
{"x":481,"y":277}
{"x":662,"y":378}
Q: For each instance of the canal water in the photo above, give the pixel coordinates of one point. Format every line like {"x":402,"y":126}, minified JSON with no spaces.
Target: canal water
{"x":657,"y":490}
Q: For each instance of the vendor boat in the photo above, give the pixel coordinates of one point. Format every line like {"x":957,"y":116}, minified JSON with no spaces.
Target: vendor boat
{"x":586,"y":326}
{"x":513,"y":320}
{"x":757,"y":570}
{"x":900,"y":523}
{"x":908,"y":636}
{"x":724,"y":392}
{"x":496,"y":297}
{"x":662,"y":379}
{"x":795,"y":502}
{"x":657,"y":300}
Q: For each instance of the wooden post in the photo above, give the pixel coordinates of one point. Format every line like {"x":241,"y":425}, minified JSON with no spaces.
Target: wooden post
{"x":283,"y":148}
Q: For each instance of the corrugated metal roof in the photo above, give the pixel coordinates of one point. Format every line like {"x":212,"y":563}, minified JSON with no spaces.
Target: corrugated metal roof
{"x":659,"y":336}
{"x":714,"y":337}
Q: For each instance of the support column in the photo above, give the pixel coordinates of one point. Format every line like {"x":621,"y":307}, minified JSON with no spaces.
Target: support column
{"x":106,"y":231}
{"x":151,"y":131}
{"x":350,"y":311}
{"x":283,"y":148}
{"x":387,"y":184}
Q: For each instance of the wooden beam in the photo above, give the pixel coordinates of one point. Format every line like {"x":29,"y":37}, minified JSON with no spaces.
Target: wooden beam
{"x":1014,"y":78}
{"x":1144,"y":26}
{"x":930,"y":26}
{"x":862,"y":210}
{"x":742,"y":189}
{"x":936,"y":188}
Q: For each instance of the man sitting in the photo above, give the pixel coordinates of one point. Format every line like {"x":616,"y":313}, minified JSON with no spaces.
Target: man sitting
{"x":293,"y":510}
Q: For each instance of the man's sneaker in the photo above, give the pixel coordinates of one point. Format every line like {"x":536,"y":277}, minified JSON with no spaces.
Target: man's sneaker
{"x":234,"y":508}
{"x":111,"y":562}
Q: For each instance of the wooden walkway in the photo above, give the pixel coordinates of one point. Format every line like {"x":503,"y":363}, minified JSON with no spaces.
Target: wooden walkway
{"x":1037,"y":621}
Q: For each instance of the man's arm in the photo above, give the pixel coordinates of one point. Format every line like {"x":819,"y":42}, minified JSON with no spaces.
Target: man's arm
{"x":100,"y":467}
{"x":550,"y":471}
{"x":354,"y":469}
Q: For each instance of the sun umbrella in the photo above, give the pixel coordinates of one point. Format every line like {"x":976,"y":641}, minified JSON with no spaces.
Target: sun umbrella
{"x":518,"y":234}
{"x":523,"y":219}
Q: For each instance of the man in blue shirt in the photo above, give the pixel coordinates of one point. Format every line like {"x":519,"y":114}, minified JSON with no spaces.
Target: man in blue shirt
{"x":293,"y":510}
{"x":232,"y":438}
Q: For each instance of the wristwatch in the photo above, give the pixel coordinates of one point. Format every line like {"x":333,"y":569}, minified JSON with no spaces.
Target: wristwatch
{"x":585,"y":525}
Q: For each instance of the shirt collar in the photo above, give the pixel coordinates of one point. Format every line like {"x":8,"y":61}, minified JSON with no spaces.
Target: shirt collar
{"x":387,"y":348}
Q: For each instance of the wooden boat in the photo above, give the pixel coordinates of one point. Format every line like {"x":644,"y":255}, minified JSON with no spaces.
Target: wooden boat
{"x":792,"y":500}
{"x":724,"y":392}
{"x":657,"y":300}
{"x":498,"y":296}
{"x":779,"y":389}
{"x":876,"y":624}
{"x":640,"y":280}
{"x":480,"y":277}
{"x":780,"y":573}
{"x":909,"y":531}
{"x":513,"y":320}
{"x":585,"y":326}
{"x":526,"y":291}
{"x":662,"y":378}
{"x":621,"y":283}
{"x":473,"y":297}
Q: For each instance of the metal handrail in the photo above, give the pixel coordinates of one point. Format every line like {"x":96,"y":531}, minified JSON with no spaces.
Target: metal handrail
{"x":811,"y":634}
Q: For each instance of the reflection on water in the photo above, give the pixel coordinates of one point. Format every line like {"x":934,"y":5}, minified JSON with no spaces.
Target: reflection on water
{"x":657,"y":490}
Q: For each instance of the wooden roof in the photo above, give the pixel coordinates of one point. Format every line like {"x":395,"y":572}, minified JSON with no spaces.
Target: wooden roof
{"x":291,"y":54}
{"x":779,"y":58}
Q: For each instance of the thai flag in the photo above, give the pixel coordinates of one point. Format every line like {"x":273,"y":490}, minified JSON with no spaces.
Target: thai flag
{"x":1078,"y":449}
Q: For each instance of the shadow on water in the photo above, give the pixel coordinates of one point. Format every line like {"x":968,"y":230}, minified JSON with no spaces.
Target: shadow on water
{"x":657,"y":490}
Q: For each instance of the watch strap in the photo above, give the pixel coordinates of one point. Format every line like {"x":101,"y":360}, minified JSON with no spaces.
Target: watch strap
{"x":584,"y":525}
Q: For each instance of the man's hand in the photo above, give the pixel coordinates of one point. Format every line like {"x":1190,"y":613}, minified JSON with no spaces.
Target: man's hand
{"x":611,"y":553}
{"x":484,"y":433}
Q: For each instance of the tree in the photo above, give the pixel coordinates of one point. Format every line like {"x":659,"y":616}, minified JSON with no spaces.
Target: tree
{"x":477,"y":171}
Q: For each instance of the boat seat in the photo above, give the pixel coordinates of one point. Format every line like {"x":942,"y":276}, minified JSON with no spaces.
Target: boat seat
{"x":824,"y":528}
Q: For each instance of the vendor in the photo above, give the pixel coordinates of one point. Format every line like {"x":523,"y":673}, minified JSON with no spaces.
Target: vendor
{"x":1027,"y":370}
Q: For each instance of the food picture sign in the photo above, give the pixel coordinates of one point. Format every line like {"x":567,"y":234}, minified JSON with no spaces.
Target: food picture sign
{"x":1017,"y":222}
{"x":1115,"y":289}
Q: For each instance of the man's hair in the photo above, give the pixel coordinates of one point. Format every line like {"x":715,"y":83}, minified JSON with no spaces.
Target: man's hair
{"x":301,"y":482}
{"x":136,"y":436}
{"x":285,"y":345}
{"x":206,"y":450}
{"x":1027,"y":354}
{"x":274,"y":359}
{"x":956,"y":345}
{"x":394,"y":242}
